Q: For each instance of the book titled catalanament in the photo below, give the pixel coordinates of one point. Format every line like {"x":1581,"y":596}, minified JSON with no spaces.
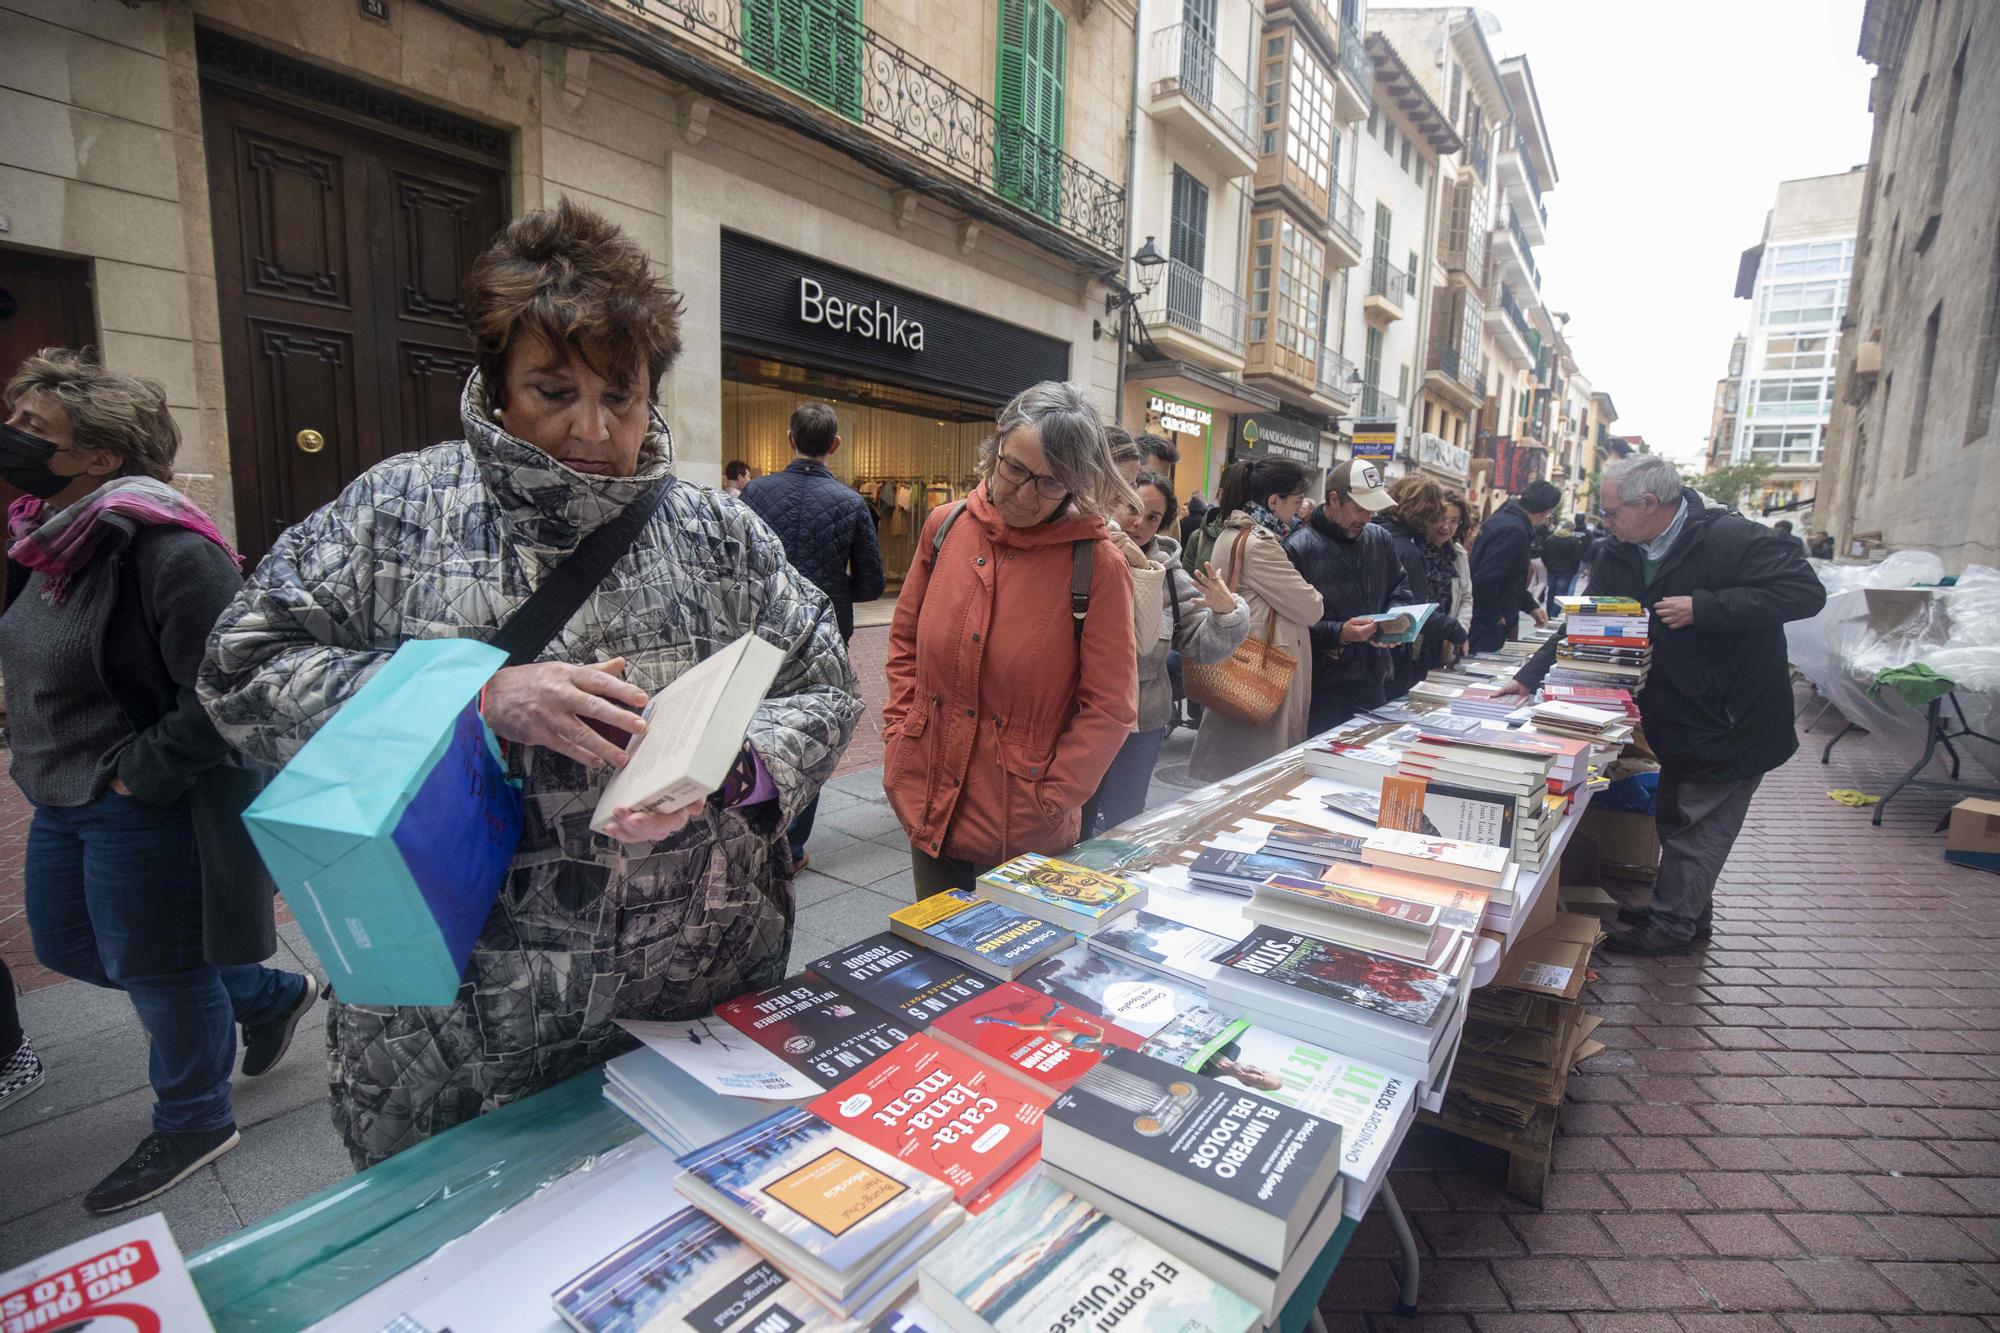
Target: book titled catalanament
{"x":901,"y":979}
{"x":1042,"y":1259}
{"x":1063,"y":892}
{"x":818,"y":1028}
{"x":990,"y":936}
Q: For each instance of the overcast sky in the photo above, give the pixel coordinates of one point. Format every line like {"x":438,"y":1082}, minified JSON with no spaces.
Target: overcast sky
{"x":1672,"y":125}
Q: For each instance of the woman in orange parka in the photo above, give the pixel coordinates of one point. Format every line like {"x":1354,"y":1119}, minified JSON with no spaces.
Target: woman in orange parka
{"x":1003,"y":713}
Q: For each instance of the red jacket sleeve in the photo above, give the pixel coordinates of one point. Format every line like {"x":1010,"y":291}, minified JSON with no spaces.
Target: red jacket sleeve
{"x":902,"y":663}
{"x":1107,"y":690}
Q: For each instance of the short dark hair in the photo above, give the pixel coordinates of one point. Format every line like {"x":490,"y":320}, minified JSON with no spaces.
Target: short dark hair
{"x":815,"y":427}
{"x":1783,"y":525}
{"x":570,"y":275}
{"x":1160,"y":447}
{"x":1541,"y":497}
{"x":1160,"y":482}
{"x":735,"y":468}
{"x":1252,"y":479}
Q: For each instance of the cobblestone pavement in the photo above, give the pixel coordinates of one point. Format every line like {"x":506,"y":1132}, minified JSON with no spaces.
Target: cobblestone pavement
{"x":1792,"y":1131}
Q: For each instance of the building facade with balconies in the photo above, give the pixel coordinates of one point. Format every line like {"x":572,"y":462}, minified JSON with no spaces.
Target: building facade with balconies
{"x":912,"y":208}
{"x":1395,"y":161}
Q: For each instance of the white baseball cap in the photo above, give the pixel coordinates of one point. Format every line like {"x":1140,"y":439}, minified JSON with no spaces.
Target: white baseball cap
{"x":1361,"y":481}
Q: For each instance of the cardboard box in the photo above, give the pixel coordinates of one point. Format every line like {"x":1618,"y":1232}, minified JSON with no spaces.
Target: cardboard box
{"x":1974,"y":837}
{"x":1624,"y":841}
{"x":1555,"y":962}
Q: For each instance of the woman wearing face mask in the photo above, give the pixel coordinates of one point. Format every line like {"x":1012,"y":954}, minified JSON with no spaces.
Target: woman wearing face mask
{"x":671,"y":911}
{"x":1259,"y":499}
{"x":1200,"y":619}
{"x":139,"y":874}
{"x":1012,"y":670}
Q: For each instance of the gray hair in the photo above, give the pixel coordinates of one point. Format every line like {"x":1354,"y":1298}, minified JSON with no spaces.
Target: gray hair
{"x":1643,"y":474}
{"x":1073,"y":445}
{"x":106,"y":410}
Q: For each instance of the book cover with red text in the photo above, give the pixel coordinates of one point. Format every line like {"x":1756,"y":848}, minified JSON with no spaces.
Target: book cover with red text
{"x":1033,"y":1036}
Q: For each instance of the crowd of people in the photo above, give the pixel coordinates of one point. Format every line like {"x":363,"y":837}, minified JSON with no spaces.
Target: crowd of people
{"x":1042,"y":642}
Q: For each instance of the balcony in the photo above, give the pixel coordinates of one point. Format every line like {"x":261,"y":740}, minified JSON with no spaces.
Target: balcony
{"x":1354,"y":83}
{"x":1196,"y":94}
{"x":1337,"y":377}
{"x":1477,"y":158}
{"x":1389,"y":290}
{"x":1509,"y":246}
{"x":1457,"y":375}
{"x":1524,"y":190}
{"x":1378,"y":404}
{"x":1345,"y":216}
{"x":864,"y":95}
{"x":1509,"y":325}
{"x":1192,"y":316}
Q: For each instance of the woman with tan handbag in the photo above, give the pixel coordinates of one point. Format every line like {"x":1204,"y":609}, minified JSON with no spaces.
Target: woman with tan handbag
{"x":1255,"y":703}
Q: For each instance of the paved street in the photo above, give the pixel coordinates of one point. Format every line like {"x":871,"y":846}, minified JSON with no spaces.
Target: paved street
{"x":1797,"y":1124}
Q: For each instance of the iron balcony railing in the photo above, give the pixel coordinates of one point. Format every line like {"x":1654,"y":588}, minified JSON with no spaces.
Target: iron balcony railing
{"x":1336,"y":375}
{"x":1345,"y":215}
{"x":1528,"y":170}
{"x":1378,"y":403}
{"x":1354,"y":59}
{"x":1388,"y":281}
{"x":1185,"y":61}
{"x":1476,"y":154}
{"x":861,"y":77}
{"x":1527,"y":251}
{"x":1514,"y":316}
{"x":1189,"y":299}
{"x":1446,"y":357}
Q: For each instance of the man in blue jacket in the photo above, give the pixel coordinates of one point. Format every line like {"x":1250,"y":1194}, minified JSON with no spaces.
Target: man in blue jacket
{"x":828,"y":533}
{"x":1500,"y":560}
{"x":1717,"y":703}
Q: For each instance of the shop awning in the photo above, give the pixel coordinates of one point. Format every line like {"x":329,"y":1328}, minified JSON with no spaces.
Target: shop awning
{"x":1185,"y":380}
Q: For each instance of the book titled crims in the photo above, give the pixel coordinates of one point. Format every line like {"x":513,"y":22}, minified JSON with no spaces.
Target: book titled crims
{"x":942,"y":1111}
{"x":901,"y":978}
{"x":1220,"y":1159}
{"x":821,"y":1203}
{"x":819,"y":1028}
{"x":694,"y":731}
{"x":1026,"y":1034}
{"x":1043,"y":1259}
{"x":990,"y":936}
{"x":1064,"y":893}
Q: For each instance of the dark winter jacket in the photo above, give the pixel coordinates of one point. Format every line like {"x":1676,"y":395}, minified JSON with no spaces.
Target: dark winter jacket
{"x":151,"y":595}
{"x":1562,"y":553}
{"x":1717,"y":705}
{"x":1408,"y":662}
{"x":1500,"y":576}
{"x":1354,"y":577}
{"x":828,"y":533}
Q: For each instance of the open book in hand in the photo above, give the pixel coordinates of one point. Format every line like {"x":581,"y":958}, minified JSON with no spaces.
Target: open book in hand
{"x":1400,"y":624}
{"x":694,"y":730}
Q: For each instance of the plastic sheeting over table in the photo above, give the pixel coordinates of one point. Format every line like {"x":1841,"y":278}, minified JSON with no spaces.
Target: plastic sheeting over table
{"x":1957,"y":635}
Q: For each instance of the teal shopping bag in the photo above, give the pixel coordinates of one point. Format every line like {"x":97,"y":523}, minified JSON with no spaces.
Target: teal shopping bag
{"x":390,"y":832}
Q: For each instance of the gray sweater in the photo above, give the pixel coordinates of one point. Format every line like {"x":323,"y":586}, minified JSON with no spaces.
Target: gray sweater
{"x":1198,"y":634}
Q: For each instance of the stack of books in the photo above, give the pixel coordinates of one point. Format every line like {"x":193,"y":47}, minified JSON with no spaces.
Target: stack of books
{"x":1475,"y":788}
{"x":985,"y":935}
{"x":1245,"y":1188}
{"x":1184,"y":952}
{"x":1600,"y":726}
{"x":1409,"y":926}
{"x":671,"y":1104}
{"x":1061,"y":893}
{"x":1606,"y":643}
{"x":1023,"y":1033}
{"x":1361,"y":751}
{"x":1593,"y":696}
{"x":1484,"y":701}
{"x":1240,"y":873}
{"x":1426,"y":713}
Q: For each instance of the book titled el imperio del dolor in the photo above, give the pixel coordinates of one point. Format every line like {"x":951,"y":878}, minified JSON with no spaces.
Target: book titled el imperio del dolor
{"x":942,"y":1111}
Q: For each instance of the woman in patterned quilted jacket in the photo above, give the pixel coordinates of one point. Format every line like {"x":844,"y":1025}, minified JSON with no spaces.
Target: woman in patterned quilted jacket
{"x":672,"y":912}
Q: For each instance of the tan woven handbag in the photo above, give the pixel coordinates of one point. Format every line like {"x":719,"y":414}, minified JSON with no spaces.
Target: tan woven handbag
{"x":1251,"y":683}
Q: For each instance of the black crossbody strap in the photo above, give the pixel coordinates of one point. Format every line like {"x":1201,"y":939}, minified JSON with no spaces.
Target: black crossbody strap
{"x":565,"y":589}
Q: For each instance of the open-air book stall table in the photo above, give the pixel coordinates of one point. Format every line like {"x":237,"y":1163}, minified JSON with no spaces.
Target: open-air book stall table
{"x":563,"y":1174}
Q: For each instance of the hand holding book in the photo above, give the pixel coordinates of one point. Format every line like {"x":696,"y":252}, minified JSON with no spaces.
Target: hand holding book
{"x":577,"y":711}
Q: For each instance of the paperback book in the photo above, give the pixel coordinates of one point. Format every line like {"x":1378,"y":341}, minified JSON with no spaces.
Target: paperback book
{"x":1061,"y":892}
{"x":1400,"y":624}
{"x":1447,"y":810}
{"x":1196,"y":1152}
{"x":1042,"y":1259}
{"x":690,"y":1271}
{"x":1336,"y":977}
{"x":1163,"y":945}
{"x":1446,"y":858}
{"x":1026,"y":1034}
{"x":1401,"y":927}
{"x":941,"y":1111}
{"x":1242,"y":872}
{"x":822,"y":1030}
{"x":1312,"y":844}
{"x":900,"y":978}
{"x":1133,"y":995}
{"x":989,"y":936}
{"x":817,"y":1200}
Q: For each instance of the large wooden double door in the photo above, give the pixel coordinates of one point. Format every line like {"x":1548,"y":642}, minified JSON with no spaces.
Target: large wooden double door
{"x":340,"y":255}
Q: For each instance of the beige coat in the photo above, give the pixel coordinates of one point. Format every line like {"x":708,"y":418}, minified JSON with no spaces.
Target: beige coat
{"x":1269,"y":582}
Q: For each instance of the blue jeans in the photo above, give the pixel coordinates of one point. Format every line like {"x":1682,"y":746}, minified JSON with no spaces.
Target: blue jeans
{"x":114,"y":899}
{"x":1122,"y":793}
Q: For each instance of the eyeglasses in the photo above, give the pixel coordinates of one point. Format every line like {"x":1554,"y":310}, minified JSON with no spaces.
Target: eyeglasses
{"x":1607,"y":514}
{"x":1014,"y":474}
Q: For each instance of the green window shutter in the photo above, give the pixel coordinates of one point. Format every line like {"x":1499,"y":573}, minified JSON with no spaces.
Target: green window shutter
{"x":1028,"y":100}
{"x":813,"y":46}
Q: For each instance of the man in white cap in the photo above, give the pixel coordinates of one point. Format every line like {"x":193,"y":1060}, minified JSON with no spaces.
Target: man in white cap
{"x":1353,"y":564}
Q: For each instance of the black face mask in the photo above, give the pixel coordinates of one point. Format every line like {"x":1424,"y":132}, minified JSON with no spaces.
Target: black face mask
{"x":24,"y":464}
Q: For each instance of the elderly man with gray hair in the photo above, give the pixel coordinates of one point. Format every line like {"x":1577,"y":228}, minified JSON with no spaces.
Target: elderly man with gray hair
{"x":1717,"y":704}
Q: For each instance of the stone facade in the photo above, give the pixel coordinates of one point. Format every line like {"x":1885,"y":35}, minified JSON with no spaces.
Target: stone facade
{"x":105,"y":161}
{"x":1913,"y":449}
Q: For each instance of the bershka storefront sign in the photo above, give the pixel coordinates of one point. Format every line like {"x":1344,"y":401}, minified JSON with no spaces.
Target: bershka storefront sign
{"x":863,"y":319}
{"x":792,"y":307}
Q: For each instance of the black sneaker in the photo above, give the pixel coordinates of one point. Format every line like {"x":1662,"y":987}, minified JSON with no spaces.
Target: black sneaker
{"x":160,"y":1162}
{"x":1704,"y":925}
{"x":20,"y":1074}
{"x":1648,"y":941}
{"x":266,"y":1043}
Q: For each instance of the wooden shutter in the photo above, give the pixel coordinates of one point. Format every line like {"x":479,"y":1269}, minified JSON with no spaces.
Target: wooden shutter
{"x":1028,"y":97}
{"x":813,"y":46}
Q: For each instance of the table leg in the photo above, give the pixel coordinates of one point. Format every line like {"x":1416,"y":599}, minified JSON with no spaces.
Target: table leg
{"x":1408,"y":1278}
{"x":1934,"y":723}
{"x":1826,"y":755}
